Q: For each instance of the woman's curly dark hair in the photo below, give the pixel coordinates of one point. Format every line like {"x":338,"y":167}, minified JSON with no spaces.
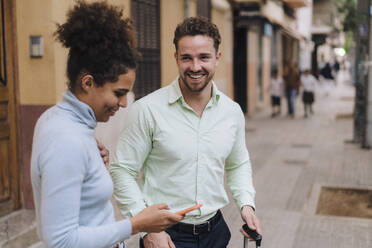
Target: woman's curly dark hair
{"x":197,"y":26}
{"x":100,"y":42}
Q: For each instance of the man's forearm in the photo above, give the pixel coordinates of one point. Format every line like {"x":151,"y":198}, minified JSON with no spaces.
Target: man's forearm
{"x":127,"y":193}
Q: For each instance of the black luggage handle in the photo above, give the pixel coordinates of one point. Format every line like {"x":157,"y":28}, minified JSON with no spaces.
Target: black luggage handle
{"x":253,"y":234}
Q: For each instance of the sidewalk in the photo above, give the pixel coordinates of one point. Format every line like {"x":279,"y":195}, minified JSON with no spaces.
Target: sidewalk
{"x":292,"y":159}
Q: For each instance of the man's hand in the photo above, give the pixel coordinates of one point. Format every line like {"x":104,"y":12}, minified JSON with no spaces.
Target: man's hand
{"x":251,"y":219}
{"x":155,"y":218}
{"x":158,"y":240}
{"x":104,"y":154}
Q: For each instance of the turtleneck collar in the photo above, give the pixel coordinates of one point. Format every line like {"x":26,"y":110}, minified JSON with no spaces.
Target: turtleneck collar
{"x":81,"y":111}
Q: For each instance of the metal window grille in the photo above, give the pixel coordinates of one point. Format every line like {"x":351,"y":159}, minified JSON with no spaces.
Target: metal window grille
{"x":146,"y":17}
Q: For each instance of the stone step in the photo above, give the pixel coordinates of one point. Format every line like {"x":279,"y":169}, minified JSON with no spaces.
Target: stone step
{"x":26,"y":239}
{"x":18,"y":229}
{"x":37,"y":245}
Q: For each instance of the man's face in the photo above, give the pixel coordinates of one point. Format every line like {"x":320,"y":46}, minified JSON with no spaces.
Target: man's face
{"x":197,"y":61}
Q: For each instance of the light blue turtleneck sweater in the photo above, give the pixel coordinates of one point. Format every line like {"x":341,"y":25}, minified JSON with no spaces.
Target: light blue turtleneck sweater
{"x":71,"y":186}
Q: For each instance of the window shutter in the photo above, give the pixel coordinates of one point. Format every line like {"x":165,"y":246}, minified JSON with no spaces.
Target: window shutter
{"x":146,"y":17}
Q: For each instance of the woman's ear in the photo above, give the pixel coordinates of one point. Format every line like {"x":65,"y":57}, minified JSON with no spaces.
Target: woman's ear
{"x":87,"y":82}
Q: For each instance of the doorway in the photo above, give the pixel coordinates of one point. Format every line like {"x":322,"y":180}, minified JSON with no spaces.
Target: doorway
{"x":9,"y":171}
{"x":240,"y":67}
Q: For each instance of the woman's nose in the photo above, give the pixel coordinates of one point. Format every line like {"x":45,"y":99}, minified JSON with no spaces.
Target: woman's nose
{"x":123,"y":101}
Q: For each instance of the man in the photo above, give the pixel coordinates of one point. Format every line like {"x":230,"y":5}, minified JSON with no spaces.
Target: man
{"x":184,"y":137}
{"x":292,"y":84}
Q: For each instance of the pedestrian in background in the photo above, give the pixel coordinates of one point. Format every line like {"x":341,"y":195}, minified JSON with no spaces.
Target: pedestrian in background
{"x":292,"y":84}
{"x":186,"y":137}
{"x":308,"y":83}
{"x":276,"y":89}
{"x":71,"y":185}
{"x":327,"y":78}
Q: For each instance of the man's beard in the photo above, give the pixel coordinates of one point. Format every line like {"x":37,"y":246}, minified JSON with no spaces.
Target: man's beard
{"x":191,"y":89}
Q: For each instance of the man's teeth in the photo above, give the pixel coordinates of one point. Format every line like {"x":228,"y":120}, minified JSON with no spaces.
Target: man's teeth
{"x":195,"y":76}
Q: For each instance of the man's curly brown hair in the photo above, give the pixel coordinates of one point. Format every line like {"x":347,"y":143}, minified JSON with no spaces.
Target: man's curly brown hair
{"x":197,"y":26}
{"x":100,"y":41}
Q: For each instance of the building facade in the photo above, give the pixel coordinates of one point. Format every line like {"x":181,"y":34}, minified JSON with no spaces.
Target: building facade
{"x":33,"y":77}
{"x":266,"y":37}
{"x":257,"y":36}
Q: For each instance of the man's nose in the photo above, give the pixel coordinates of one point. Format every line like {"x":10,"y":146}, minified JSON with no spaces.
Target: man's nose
{"x":195,"y":65}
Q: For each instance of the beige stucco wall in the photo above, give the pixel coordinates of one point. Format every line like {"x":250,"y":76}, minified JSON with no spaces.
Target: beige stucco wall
{"x":192,"y":7}
{"x":171,"y":13}
{"x":43,"y":80}
{"x":59,"y":10}
{"x":221,"y":16}
{"x":36,"y":76}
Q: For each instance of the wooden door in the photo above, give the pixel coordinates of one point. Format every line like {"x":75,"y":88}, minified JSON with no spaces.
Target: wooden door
{"x":9,"y":173}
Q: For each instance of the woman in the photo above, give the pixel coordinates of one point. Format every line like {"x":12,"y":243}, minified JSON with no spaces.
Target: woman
{"x":71,"y":186}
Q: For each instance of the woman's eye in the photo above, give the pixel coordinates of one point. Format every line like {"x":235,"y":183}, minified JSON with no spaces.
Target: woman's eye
{"x":119,"y":94}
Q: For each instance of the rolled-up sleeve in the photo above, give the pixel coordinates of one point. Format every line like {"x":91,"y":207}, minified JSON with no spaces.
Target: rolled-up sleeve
{"x":238,"y":167}
{"x":132,"y":149}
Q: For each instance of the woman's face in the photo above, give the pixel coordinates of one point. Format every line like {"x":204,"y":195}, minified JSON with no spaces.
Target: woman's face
{"x":106,"y":100}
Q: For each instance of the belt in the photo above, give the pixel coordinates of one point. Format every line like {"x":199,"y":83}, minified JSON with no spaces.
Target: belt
{"x":199,"y":228}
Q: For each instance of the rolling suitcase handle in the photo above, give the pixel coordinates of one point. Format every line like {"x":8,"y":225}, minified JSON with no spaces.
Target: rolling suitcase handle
{"x":253,"y":234}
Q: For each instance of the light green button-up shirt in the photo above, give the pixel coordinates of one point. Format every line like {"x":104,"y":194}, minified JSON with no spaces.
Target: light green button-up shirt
{"x":183,"y":156}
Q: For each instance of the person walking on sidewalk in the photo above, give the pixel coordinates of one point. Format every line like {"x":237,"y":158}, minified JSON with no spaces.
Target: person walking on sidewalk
{"x":276,"y":91}
{"x":327,"y":78}
{"x":308,"y":83}
{"x":184,"y":137}
{"x":292,"y":84}
{"x":71,"y":185}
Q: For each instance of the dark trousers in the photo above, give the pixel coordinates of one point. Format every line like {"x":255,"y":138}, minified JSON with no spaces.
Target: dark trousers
{"x":218,"y":237}
{"x":291,"y":98}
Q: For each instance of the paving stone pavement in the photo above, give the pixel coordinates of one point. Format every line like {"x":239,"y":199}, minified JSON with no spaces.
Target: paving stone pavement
{"x":292,"y":159}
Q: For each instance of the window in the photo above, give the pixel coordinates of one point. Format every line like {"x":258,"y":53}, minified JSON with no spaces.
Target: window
{"x":146,"y":17}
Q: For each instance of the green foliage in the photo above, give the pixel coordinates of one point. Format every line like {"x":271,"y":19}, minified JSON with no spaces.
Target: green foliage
{"x":347,"y":9}
{"x":349,"y":41}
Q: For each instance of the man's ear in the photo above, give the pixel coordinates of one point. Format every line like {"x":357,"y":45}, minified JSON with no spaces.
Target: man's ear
{"x":218,"y":57}
{"x":87,"y":82}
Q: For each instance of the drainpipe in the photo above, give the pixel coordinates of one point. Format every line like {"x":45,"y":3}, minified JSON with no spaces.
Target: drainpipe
{"x":361,"y":76}
{"x":368,"y":138}
{"x":186,"y":4}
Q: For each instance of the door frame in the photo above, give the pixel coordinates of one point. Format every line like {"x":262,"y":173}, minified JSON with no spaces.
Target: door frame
{"x":9,"y":20}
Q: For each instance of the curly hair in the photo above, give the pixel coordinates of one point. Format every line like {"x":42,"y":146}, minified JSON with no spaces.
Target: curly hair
{"x":100,"y":42}
{"x":197,"y":26}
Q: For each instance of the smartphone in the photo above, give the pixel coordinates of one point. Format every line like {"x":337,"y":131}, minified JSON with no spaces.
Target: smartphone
{"x":187,"y":210}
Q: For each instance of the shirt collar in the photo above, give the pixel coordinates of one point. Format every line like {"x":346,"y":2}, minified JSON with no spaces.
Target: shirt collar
{"x":175,"y":92}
